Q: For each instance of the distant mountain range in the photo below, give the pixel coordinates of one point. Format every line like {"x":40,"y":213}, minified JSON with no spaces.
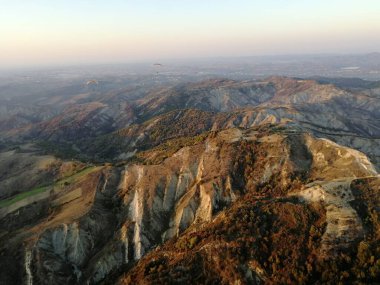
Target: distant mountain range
{"x":346,"y":111}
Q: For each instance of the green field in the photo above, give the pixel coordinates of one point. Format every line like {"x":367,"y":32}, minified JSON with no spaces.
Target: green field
{"x":75,"y":176}
{"x":40,"y":189}
{"x":21,"y":196}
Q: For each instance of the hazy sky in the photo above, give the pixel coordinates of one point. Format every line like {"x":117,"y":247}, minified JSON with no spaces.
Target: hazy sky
{"x":85,"y":31}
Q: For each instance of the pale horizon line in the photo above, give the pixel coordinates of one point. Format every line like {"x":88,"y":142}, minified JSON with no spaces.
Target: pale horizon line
{"x":175,"y":60}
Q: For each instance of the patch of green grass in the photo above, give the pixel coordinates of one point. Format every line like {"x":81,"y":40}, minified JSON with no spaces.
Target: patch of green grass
{"x":40,"y":189}
{"x":74,"y":177}
{"x":21,"y":196}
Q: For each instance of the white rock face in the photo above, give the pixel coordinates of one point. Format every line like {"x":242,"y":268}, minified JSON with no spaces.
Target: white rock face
{"x":331,"y":160}
{"x":163,"y":200}
{"x":350,"y":155}
{"x":337,"y":167}
{"x":343,"y":223}
{"x":137,"y":217}
{"x":204,"y":212}
{"x":28,"y":271}
{"x":70,"y":242}
{"x":136,"y":211}
{"x":124,"y":239}
{"x":106,"y":264}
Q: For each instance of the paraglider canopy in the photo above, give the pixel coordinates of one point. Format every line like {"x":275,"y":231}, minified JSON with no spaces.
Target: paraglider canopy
{"x":157,"y":67}
{"x":92,"y":82}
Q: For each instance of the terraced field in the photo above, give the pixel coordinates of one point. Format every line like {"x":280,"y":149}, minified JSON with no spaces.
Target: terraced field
{"x":40,"y":189}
